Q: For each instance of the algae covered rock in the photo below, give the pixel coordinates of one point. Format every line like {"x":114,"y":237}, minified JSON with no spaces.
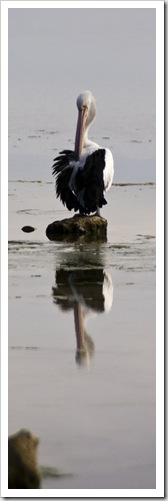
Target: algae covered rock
{"x":23,"y":471}
{"x":90,"y":227}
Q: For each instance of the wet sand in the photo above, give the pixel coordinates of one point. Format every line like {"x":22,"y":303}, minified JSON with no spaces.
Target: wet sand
{"x":95,"y":419}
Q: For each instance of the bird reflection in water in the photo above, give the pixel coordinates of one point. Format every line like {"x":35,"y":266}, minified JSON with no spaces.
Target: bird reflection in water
{"x":87,"y":292}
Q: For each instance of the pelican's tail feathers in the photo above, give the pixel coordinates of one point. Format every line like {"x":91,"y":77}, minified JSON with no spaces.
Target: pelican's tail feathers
{"x":90,"y":183}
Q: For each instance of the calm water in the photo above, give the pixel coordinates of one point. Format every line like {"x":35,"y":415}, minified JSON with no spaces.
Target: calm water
{"x":94,"y":414}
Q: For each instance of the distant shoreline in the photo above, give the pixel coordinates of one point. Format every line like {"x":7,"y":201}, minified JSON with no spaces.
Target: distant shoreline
{"x":147,"y":183}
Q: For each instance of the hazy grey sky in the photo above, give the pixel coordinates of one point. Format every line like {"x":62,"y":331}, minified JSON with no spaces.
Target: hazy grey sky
{"x":54,"y":54}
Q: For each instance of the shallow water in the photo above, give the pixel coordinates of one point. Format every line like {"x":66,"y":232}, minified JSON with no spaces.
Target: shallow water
{"x":94,"y":412}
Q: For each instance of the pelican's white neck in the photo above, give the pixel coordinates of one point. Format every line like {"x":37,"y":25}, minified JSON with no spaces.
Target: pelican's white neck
{"x":87,"y":142}
{"x":87,"y":111}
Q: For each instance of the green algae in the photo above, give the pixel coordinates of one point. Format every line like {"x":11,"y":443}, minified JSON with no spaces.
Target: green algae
{"x":49,"y":471}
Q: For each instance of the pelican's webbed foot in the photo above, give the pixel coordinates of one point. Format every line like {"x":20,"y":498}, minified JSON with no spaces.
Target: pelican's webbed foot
{"x":80,"y":214}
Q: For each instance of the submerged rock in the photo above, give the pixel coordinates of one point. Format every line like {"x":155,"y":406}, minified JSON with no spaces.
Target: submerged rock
{"x":23,"y":471}
{"x":87,"y":227}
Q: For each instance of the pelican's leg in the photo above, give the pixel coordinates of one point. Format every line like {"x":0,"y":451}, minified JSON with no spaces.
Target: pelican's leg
{"x":82,"y":213}
{"x":97,"y":213}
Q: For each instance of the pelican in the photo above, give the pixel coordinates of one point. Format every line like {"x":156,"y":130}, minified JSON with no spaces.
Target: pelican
{"x":84,"y":175}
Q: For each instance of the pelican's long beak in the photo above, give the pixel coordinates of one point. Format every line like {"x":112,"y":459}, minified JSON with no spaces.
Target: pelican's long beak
{"x":80,"y":131}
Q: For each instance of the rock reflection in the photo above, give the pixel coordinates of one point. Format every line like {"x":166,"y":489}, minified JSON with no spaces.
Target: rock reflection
{"x":87,"y":292}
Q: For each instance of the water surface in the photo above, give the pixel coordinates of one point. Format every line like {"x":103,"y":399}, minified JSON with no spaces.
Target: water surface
{"x":94,"y":414}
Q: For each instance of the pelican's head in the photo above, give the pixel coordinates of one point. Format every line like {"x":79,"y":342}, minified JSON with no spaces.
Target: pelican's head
{"x":86,"y":112}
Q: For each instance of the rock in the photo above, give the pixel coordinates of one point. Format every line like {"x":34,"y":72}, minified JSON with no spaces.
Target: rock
{"x":23,"y":471}
{"x":28,"y":229}
{"x":86,"y":227}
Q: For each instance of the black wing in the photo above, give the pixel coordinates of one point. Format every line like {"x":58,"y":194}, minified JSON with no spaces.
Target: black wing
{"x":88,"y":192}
{"x":62,"y":170}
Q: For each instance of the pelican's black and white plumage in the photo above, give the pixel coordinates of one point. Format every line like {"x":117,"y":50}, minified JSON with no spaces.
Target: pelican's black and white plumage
{"x":85,"y":174}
